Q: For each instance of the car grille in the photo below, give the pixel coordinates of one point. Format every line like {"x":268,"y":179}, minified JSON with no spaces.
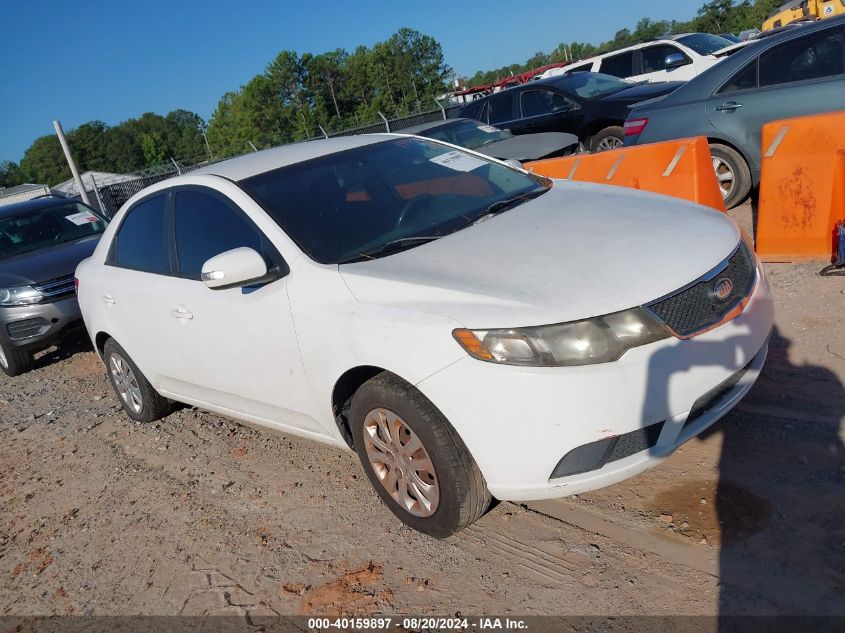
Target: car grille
{"x":696,"y":308}
{"x":56,"y":288}
{"x":26,"y":327}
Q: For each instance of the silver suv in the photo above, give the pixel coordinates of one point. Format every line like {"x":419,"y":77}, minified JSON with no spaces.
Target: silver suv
{"x":41,"y":242}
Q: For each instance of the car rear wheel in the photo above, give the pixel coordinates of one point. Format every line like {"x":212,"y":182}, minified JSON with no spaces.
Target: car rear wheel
{"x":609,"y":138}
{"x":137,"y":396}
{"x":14,"y":362}
{"x":732,"y":173}
{"x":414,"y":458}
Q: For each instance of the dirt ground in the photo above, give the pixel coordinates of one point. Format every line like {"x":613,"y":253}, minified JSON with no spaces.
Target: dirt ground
{"x":198,"y":514}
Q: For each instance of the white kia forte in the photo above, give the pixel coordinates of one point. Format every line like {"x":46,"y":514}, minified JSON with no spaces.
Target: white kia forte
{"x":469,"y":329}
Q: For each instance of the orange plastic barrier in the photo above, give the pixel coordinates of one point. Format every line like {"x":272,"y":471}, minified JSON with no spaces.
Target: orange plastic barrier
{"x":802,"y":187}
{"x":681,"y":168}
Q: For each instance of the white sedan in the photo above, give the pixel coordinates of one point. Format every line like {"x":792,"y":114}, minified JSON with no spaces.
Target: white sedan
{"x":470,"y":329}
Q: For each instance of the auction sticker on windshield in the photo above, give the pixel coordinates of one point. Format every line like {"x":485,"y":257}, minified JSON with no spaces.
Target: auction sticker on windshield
{"x":487,"y":128}
{"x":458,"y":161}
{"x":81,"y":218}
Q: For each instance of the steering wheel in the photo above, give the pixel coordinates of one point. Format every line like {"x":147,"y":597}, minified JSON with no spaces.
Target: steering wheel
{"x":413,"y":208}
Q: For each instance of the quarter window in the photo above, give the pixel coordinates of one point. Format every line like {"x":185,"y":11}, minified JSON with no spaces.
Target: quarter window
{"x":207,"y":226}
{"x":812,"y":57}
{"x":141,"y":242}
{"x":620,"y":65}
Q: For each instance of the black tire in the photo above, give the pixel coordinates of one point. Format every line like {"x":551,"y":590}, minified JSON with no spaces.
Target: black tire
{"x":152,"y":406}
{"x":613,"y":135}
{"x":14,"y":361}
{"x":463,"y":494}
{"x":732,"y":161}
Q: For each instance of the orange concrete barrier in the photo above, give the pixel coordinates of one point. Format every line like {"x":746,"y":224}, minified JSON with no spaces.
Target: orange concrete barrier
{"x":802,"y":187}
{"x":681,"y":168}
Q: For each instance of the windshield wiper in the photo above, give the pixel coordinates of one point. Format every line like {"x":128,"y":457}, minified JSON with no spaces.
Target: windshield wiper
{"x":393,"y":246}
{"x":500,"y":206}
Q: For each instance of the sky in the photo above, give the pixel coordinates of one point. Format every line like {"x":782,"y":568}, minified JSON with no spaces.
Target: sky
{"x":111,"y":60}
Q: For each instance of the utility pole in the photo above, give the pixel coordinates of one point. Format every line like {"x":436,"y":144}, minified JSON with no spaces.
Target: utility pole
{"x":73,"y":170}
{"x":207,"y":146}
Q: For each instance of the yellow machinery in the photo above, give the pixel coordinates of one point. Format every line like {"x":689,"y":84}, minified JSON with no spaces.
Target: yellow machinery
{"x":803,"y":10}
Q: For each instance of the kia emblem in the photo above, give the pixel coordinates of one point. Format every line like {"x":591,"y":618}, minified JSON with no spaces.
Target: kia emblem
{"x":723,"y":288}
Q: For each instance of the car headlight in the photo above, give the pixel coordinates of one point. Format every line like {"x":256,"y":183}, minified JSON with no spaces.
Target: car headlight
{"x":20,"y":296}
{"x":599,"y":340}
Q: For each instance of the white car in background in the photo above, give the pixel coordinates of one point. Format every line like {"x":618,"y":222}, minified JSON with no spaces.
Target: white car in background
{"x":468,"y":328}
{"x":673,"y":58}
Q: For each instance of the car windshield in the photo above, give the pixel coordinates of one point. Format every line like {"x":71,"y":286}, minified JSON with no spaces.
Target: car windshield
{"x":41,"y":228}
{"x":589,"y":85}
{"x":373,"y":200}
{"x":469,"y":134}
{"x":704,"y":43}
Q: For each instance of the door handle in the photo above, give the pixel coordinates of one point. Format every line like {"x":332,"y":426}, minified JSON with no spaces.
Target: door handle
{"x":728,"y":106}
{"x":108,"y":299}
{"x":181,"y":313}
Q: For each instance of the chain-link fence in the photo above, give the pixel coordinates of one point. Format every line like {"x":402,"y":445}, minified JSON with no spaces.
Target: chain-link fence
{"x":111,"y":197}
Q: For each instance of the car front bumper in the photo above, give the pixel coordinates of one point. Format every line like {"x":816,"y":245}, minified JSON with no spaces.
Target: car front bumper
{"x":519,"y":422}
{"x":36,"y":326}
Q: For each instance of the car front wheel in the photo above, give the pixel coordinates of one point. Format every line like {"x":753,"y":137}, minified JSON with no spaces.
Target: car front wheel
{"x":14,"y":362}
{"x":140,"y":401}
{"x":414,"y":458}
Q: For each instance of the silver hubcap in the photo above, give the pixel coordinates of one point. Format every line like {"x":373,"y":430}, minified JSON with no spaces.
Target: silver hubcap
{"x":401,"y":463}
{"x":610,"y":142}
{"x":725,"y":176}
{"x":125,"y":383}
{"x":3,"y":362}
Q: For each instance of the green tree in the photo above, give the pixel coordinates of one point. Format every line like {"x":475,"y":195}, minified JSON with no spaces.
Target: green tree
{"x":44,"y":162}
{"x":10,"y":174}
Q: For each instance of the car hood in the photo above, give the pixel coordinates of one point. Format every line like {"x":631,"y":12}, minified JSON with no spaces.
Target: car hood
{"x":577,"y":251}
{"x":641,"y":92}
{"x":45,"y":264}
{"x":528,"y":146}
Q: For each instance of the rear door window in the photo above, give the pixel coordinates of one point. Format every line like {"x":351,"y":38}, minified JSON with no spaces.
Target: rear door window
{"x":205,"y":225}
{"x":745,"y":79}
{"x":141,"y":242}
{"x":537,"y":102}
{"x":621,"y":65}
{"x":814,"y":56}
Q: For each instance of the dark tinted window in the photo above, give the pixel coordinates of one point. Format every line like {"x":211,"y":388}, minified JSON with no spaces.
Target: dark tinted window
{"x":207,"y":226}
{"x":47,"y":226}
{"x":620,"y":65}
{"x":810,"y":57}
{"x":355,"y":203}
{"x":654,"y":57}
{"x":500,"y":108}
{"x":472,"y":110}
{"x":141,"y":241}
{"x":704,"y":43}
{"x":535,"y":102}
{"x":743,"y":80}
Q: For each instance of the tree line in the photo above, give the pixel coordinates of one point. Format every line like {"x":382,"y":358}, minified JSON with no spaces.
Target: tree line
{"x":715,"y":16}
{"x":297,"y":95}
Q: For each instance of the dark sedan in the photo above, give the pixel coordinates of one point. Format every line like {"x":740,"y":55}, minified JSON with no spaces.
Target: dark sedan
{"x":798,"y":72}
{"x":491,"y":141}
{"x":41,"y":243}
{"x":592,"y":106}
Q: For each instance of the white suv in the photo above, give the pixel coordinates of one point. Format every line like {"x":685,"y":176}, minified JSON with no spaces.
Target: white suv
{"x":674,"y":58}
{"x":468,"y":328}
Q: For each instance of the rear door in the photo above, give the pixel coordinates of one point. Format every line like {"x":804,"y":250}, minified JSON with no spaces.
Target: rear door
{"x":499,"y":110}
{"x":805,"y":75}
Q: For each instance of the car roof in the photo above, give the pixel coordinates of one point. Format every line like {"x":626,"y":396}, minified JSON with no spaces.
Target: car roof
{"x":269,"y":159}
{"x":35,"y":204}
{"x":423,"y":127}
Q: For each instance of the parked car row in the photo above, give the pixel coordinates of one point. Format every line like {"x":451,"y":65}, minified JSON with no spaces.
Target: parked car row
{"x":730,"y":94}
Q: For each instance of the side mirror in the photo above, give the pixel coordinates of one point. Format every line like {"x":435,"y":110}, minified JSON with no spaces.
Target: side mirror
{"x":514,"y":163}
{"x":674,"y":60}
{"x":238,"y":267}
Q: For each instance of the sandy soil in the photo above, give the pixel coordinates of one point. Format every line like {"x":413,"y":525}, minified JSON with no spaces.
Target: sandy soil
{"x":198,"y":514}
